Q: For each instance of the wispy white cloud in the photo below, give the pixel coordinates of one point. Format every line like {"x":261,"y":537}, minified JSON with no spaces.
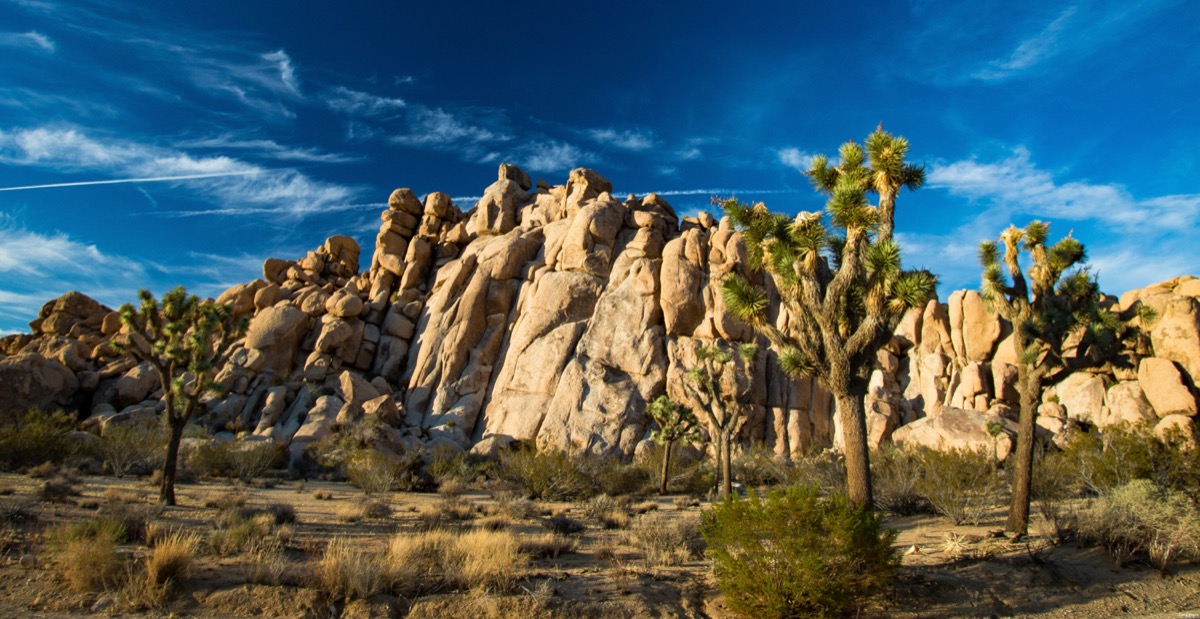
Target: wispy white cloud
{"x":1030,"y":52}
{"x":35,"y":267}
{"x":997,"y":42}
{"x":438,"y":128}
{"x":628,"y":139}
{"x":1016,"y":185}
{"x":549,"y":156}
{"x":28,"y":40}
{"x":222,"y":179}
{"x":357,"y":103}
{"x":287,"y":72}
{"x":795,"y":158}
{"x":1015,"y":191}
{"x":268,"y":148}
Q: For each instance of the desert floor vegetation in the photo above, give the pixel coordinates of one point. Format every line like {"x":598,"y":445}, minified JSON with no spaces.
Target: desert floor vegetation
{"x":1115,"y":531}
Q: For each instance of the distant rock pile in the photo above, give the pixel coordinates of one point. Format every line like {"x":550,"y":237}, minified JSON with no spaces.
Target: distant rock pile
{"x":551,"y":315}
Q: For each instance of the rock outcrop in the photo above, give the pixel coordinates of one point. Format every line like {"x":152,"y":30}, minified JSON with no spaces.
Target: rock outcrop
{"x":550,"y":315}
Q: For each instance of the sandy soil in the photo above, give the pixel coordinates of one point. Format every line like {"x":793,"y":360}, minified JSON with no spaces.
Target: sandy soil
{"x":947,"y":571}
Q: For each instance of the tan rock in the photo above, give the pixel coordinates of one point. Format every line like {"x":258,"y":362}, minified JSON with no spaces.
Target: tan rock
{"x":1082,"y":394}
{"x":276,"y":332}
{"x":682,"y":281}
{"x":1162,"y":383}
{"x":1125,"y":404}
{"x":344,"y":303}
{"x":955,"y":429}
{"x":1176,"y":334}
{"x":404,"y":200}
{"x":513,"y":173}
{"x":1177,"y":430}
{"x":584,"y":185}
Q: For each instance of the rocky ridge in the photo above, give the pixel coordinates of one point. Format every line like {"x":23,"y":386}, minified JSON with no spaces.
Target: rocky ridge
{"x":551,"y":315}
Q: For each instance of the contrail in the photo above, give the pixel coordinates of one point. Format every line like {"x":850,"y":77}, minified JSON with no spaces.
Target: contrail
{"x":154,"y":179}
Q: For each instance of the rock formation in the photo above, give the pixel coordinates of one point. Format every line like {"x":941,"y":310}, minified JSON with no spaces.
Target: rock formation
{"x":551,"y":315}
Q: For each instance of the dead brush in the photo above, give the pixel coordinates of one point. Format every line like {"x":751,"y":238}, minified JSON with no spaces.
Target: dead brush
{"x":664,"y":539}
{"x":548,"y":545}
{"x":123,"y":495}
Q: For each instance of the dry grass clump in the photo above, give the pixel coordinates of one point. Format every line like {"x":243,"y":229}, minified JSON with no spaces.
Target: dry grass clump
{"x":548,"y":545}
{"x":89,"y":564}
{"x":123,"y":495}
{"x":514,"y":505}
{"x":487,"y":561}
{"x":226,"y":500}
{"x":58,"y":491}
{"x":270,"y":564}
{"x":172,"y":557}
{"x":497,"y":522}
{"x":490,"y":560}
{"x":610,"y":512}
{"x":563,"y":524}
{"x":323,"y":495}
{"x":664,"y":540}
{"x":349,"y":570}
{"x":376,"y":510}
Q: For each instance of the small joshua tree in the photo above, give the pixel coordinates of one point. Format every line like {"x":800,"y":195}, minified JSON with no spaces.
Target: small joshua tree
{"x":1057,"y":302}
{"x":186,"y":340}
{"x":721,"y":382}
{"x":676,"y":423}
{"x":839,"y":279}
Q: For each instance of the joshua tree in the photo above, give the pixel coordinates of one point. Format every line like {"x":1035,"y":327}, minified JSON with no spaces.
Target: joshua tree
{"x":676,"y":422}
{"x":185,"y":339}
{"x":839,"y":278}
{"x":721,"y":382}
{"x":1059,"y":326}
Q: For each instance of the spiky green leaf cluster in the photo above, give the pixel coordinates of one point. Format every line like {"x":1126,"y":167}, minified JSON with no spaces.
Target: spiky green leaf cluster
{"x":675,"y":422}
{"x":182,"y":337}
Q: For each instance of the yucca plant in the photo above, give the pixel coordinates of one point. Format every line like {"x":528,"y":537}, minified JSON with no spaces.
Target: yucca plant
{"x":1058,"y":300}
{"x":721,"y":382}
{"x":187,"y":341}
{"x":839,"y":278}
{"x":676,"y":423}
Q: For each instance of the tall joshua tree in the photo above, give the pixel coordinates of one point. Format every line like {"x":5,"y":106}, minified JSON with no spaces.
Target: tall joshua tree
{"x":839,"y":277}
{"x":1059,"y":326}
{"x":185,"y":340}
{"x":676,"y":423}
{"x":721,"y":381}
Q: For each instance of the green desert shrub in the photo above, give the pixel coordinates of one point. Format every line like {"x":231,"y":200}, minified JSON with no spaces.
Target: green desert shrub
{"x":796,"y":553}
{"x":824,"y":469}
{"x":374,"y":471}
{"x":1138,"y":517}
{"x":1055,"y":485}
{"x":758,"y":466}
{"x":960,"y":484}
{"x":550,"y":476}
{"x":34,"y":438}
{"x":895,"y":475}
{"x":1112,"y":457}
{"x":133,"y":448}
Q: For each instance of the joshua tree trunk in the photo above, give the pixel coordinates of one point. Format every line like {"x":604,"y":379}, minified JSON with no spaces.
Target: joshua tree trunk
{"x":1030,"y":383}
{"x":166,"y":495}
{"x":666,"y":467}
{"x":726,"y":466}
{"x":854,"y":439}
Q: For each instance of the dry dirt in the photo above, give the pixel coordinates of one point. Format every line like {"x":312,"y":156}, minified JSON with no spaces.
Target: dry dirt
{"x":947,"y":571}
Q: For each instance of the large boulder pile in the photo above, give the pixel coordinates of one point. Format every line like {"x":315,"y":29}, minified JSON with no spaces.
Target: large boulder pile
{"x":551,"y":315}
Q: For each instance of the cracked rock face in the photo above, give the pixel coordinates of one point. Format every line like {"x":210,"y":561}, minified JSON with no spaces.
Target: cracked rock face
{"x":551,"y":315}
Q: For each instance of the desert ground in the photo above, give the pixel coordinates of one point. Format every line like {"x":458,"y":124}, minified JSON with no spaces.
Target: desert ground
{"x":606,"y":569}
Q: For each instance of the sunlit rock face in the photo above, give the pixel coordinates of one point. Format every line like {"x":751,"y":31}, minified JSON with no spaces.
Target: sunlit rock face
{"x":551,"y":315}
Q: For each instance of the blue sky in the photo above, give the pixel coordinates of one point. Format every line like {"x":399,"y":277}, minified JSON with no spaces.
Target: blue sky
{"x":189,"y":141}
